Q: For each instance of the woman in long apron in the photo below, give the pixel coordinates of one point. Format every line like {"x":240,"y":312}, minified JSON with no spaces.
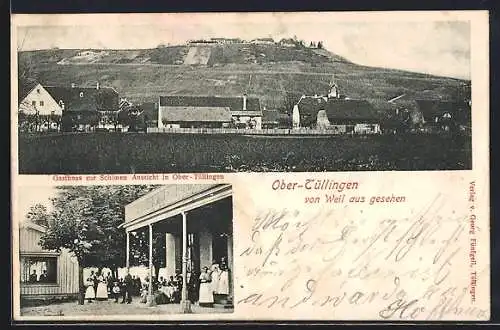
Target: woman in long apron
{"x":89,"y":292}
{"x":223,"y":285}
{"x":214,"y":274}
{"x":206,"y":298}
{"x":102,"y":289}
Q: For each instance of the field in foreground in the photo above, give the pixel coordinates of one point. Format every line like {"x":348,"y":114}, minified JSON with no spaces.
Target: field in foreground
{"x":93,"y":153}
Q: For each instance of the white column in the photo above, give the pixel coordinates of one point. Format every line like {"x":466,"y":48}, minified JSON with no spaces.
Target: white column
{"x":128,"y":251}
{"x":230,"y":265}
{"x":185,"y":303}
{"x":151,"y":300}
{"x":170,"y":254}
{"x":160,"y":122}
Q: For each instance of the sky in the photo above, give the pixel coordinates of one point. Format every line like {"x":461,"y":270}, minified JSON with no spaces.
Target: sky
{"x":440,"y":45}
{"x":28,"y":196}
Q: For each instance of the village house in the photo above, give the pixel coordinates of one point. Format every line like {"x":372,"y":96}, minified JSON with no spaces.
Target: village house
{"x":337,"y":113}
{"x":287,"y":42}
{"x":263,"y":41}
{"x":36,"y":103}
{"x":445,"y":115}
{"x":44,"y":274}
{"x":176,"y":111}
{"x":224,"y":41}
{"x":197,"y":221}
{"x":86,"y":108}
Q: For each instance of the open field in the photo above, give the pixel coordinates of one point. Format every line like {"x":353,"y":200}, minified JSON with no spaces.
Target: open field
{"x":92,"y":153}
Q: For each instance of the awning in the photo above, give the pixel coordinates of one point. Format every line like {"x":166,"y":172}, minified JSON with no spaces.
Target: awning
{"x":171,"y":200}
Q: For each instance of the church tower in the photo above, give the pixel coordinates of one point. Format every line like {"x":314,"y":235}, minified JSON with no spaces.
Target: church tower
{"x":333,"y":92}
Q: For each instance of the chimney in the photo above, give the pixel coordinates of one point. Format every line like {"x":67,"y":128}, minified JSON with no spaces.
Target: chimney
{"x":97,"y":86}
{"x":73,"y":85}
{"x":244,"y":101}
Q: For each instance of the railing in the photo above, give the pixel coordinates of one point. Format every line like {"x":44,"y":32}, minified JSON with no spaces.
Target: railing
{"x":270,"y":131}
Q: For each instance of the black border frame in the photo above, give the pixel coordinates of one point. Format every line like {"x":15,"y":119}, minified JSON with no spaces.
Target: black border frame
{"x":152,"y":6}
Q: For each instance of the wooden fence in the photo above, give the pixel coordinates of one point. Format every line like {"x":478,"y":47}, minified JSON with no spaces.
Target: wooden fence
{"x":271,"y":131}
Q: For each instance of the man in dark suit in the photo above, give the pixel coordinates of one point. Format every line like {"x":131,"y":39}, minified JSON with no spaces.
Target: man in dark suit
{"x":33,"y":277}
{"x":43,"y":276}
{"x":128,"y":287}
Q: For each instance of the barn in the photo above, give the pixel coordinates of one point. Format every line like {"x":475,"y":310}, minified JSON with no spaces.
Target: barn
{"x":44,"y":274}
{"x":192,"y":111}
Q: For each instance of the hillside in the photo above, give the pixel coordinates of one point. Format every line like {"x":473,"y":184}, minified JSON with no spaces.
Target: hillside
{"x":268,"y":71}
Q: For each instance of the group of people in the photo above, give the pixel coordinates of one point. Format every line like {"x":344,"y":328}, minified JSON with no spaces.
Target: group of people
{"x":214,"y":283}
{"x":169,"y":291}
{"x":206,"y":287}
{"x":34,"y":278}
{"x":100,"y":287}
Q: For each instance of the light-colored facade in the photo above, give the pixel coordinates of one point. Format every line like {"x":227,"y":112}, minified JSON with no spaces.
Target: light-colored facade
{"x":39,"y":101}
{"x":252,"y":119}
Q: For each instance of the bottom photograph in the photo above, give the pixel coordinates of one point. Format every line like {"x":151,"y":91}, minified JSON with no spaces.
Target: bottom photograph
{"x":125,"y":249}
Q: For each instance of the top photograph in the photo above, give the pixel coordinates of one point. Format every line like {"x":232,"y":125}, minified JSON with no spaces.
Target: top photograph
{"x":241,"y":92}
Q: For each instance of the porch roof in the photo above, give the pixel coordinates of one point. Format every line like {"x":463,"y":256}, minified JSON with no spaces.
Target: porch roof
{"x":171,"y":200}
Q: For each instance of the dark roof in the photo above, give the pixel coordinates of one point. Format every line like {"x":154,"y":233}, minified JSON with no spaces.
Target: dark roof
{"x":196,"y":114}
{"x":339,"y":110}
{"x":150,"y":110}
{"x":275,"y":117}
{"x":235,"y":103}
{"x":25,"y":89}
{"x":311,"y":105}
{"x":85,"y":98}
{"x":436,"y":108}
{"x":270,"y":116}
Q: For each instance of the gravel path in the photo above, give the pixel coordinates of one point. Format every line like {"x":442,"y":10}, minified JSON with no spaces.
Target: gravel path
{"x":109,"y":307}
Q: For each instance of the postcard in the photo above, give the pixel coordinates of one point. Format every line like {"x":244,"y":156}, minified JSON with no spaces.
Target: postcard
{"x":326,"y":166}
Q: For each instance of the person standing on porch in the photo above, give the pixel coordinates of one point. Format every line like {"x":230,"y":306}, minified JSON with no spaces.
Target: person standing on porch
{"x":94,"y":280}
{"x":215,"y":274}
{"x":89,"y":292}
{"x":223,"y":285}
{"x":102,"y":288}
{"x":206,"y":298}
{"x":128,"y":288}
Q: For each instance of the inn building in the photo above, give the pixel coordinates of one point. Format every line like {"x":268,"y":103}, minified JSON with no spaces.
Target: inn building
{"x":196,"y":220}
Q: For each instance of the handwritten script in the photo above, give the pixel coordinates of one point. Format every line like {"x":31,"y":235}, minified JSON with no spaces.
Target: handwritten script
{"x":397,"y":269}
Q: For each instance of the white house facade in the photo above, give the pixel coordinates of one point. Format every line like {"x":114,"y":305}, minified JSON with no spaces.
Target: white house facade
{"x":39,"y":101}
